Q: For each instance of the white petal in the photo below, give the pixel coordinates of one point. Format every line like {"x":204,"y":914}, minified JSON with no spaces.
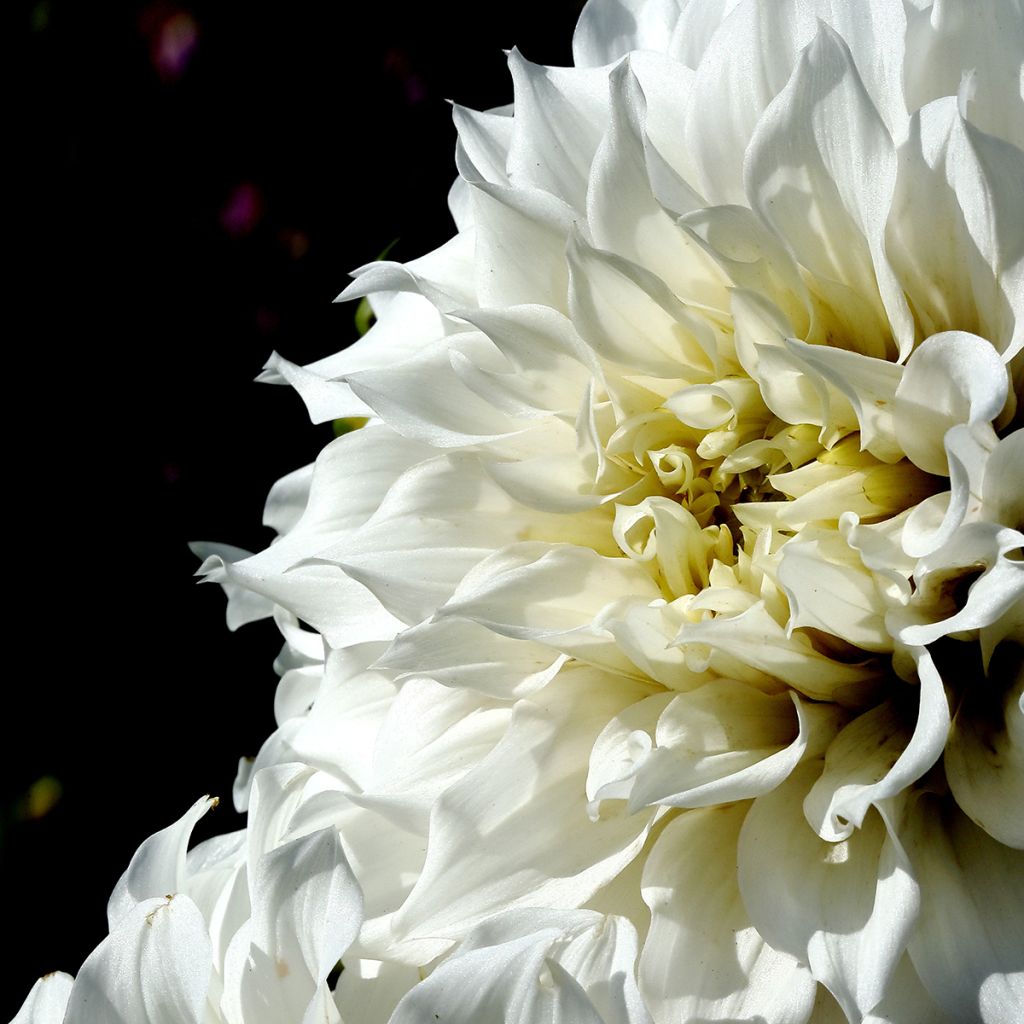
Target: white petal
{"x":369,"y":990}
{"x":822,"y":167}
{"x":828,"y":588}
{"x":847,"y":909}
{"x":244,"y":605}
{"x":485,"y":139}
{"x":703,"y":959}
{"x":430,"y":738}
{"x":158,"y":866}
{"x":951,"y":378}
{"x":968,"y":946}
{"x":154,"y":968}
{"x":877,"y":756}
{"x":623,"y":213}
{"x":559,"y":118}
{"x":726,"y":741}
{"x":491,"y":833}
{"x":907,"y":1000}
{"x":554,"y":595}
{"x":628,"y":315}
{"x":461,"y":653}
{"x":46,"y":1001}
{"x":749,"y":59}
{"x":307,"y":909}
{"x":949,"y":39}
{"x":953,"y":235}
{"x":520,"y":246}
{"x":533,"y":965}
{"x":609,"y":29}
{"x":754,"y":639}
{"x":984,"y":758}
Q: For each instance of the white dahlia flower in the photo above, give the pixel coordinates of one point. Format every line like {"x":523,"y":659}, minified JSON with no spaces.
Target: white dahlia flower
{"x":669,"y":609}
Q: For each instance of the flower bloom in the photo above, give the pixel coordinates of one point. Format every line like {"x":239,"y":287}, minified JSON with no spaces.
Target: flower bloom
{"x":669,"y":610}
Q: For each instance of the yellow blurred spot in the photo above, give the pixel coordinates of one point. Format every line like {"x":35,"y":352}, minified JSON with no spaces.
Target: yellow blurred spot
{"x":41,"y":798}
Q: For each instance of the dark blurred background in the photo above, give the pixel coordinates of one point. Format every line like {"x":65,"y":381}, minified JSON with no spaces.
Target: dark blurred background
{"x":192,"y":183}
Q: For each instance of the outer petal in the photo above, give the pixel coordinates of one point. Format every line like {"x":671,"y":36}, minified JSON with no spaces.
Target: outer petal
{"x":953,"y":378}
{"x":47,"y":1000}
{"x":821,"y":146}
{"x":492,"y":835}
{"x":984,"y":757}
{"x":154,"y":968}
{"x":535,"y":966}
{"x":968,"y":946}
{"x":158,"y":866}
{"x":703,"y":959}
{"x":847,"y":908}
{"x":609,"y":29}
{"x":877,"y":756}
{"x":307,"y":909}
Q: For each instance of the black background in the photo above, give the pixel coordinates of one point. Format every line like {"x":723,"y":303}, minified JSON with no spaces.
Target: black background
{"x":191,"y":186}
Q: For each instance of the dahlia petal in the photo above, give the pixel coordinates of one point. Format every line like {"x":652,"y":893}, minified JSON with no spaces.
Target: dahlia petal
{"x":847,"y":909}
{"x":508,"y":984}
{"x":947,"y":40}
{"x":876,"y":757}
{"x":444,"y":277}
{"x":552,"y":594}
{"x":749,"y":60}
{"x":325,"y":399}
{"x":47,"y":1000}
{"x":340,"y":731}
{"x":753,"y":638}
{"x":485,"y":138}
{"x":385,"y":857}
{"x":307,"y":909}
{"x":869,"y":385}
{"x":952,"y":378}
{"x":406,"y":322}
{"x":723,"y":742}
{"x":153,"y":968}
{"x":984,"y":760}
{"x":624,"y":215}
{"x":934,"y":522}
{"x":158,"y":865}
{"x":609,"y":29}
{"x":343,"y":610}
{"x":629,"y":316}
{"x":244,"y":605}
{"x":512,"y":864}
{"x":369,"y":990}
{"x":703,"y":959}
{"x":828,"y":588}
{"x":957,"y":269}
{"x":560,"y":116}
{"x":967,"y":946}
{"x":1002,"y":496}
{"x":907,"y":1000}
{"x":665,"y":84}
{"x":594,"y":951}
{"x":621,"y":748}
{"x":463,"y":654}
{"x":429,"y":740}
{"x":288,"y":499}
{"x":843,"y":168}
{"x":998,"y":589}
{"x":520,"y":246}
{"x":544,"y":350}
{"x":425,"y":399}
{"x":437,"y":521}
